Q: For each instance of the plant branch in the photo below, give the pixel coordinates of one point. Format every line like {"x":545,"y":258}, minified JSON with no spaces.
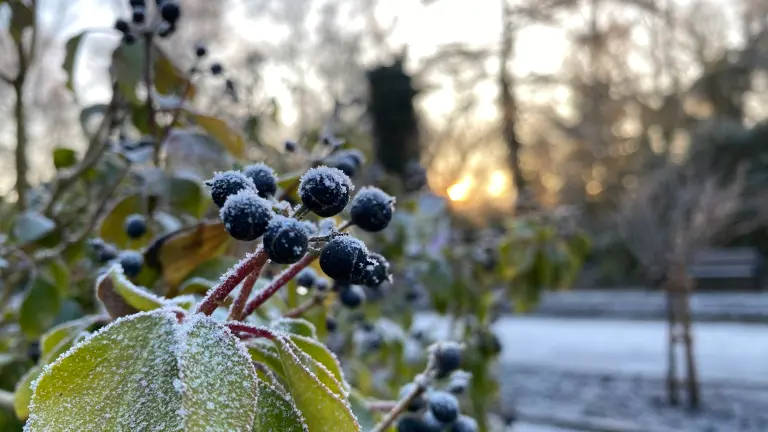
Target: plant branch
{"x":246,"y":288}
{"x":251,"y":264}
{"x":422,"y":382}
{"x":253,"y":331}
{"x":19,"y":113}
{"x":279,"y":282}
{"x":150,"y":106}
{"x":296,"y":312}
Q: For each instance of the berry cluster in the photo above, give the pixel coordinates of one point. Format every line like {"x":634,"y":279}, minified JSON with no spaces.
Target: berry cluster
{"x":169,"y":11}
{"x":248,"y":210}
{"x":131,"y":261}
{"x":439,"y":410}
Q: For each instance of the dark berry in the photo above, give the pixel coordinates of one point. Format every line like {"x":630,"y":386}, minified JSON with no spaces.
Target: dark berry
{"x":346,"y":166}
{"x":217,"y":68}
{"x":418,"y":403}
{"x":170,"y":11}
{"x":104,"y":252}
{"x":325,"y":191}
{"x":246,"y":215}
{"x":355,"y":156}
{"x":138,"y":15}
{"x":465,"y":424}
{"x":342,"y":256}
{"x":443,"y":406}
{"x":137,"y":3}
{"x":339,"y":286}
{"x":135,"y":225}
{"x":306,"y":278}
{"x":286,"y":240}
{"x":433,"y":423}
{"x":352,"y":297}
{"x":33,"y":351}
{"x":377,"y":271}
{"x":200,"y":50}
{"x":413,"y":424}
{"x":447,"y":358}
{"x":166,"y":29}
{"x":228,"y":183}
{"x":263,"y":178}
{"x":122,"y":26}
{"x":372,"y":209}
{"x":129,"y":39}
{"x":331,"y":324}
{"x":321,"y":284}
{"x":131,"y":262}
{"x":290,"y":146}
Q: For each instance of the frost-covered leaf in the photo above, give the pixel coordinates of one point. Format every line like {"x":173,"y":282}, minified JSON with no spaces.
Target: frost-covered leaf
{"x":138,"y":298}
{"x":263,"y":351}
{"x":148,"y":372}
{"x":276,"y":412}
{"x":323,"y":409}
{"x":23,"y":393}
{"x":320,"y":354}
{"x":297,"y":326}
{"x":59,"y":339}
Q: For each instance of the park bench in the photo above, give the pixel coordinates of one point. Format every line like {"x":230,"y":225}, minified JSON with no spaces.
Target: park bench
{"x":728,"y":269}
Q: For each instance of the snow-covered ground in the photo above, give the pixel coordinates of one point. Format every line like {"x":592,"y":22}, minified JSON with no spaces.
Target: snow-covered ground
{"x":613,"y":370}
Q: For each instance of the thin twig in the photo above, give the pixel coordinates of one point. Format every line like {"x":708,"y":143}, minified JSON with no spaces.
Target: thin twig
{"x":176,"y":111}
{"x":299,"y":310}
{"x":280,"y":281}
{"x":252,"y":264}
{"x":421,"y":384}
{"x":235,"y":314}
{"x":149,"y":103}
{"x":253,"y":331}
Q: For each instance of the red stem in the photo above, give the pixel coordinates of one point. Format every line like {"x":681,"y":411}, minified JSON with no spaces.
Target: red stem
{"x":282,"y":279}
{"x":245,"y":291}
{"x":259,"y":332}
{"x":252,"y":264}
{"x":299,"y":310}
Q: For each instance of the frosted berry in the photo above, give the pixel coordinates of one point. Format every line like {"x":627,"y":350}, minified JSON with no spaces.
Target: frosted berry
{"x":331,"y":324}
{"x":228,"y":183}
{"x":352,"y":297}
{"x":345,"y":165}
{"x":459,"y":382}
{"x":306,"y":278}
{"x":377,"y":270}
{"x":217,"y":69}
{"x":447,"y":358}
{"x":443,"y":406}
{"x":372,"y":209}
{"x":355,"y":157}
{"x":122,"y":26}
{"x":413,"y":424}
{"x":166,"y":29}
{"x":104,"y":252}
{"x":200,"y":50}
{"x":129,"y":38}
{"x":170,"y":11}
{"x":286,"y":240}
{"x":131,"y":262}
{"x":138,"y":15}
{"x":135,"y":225}
{"x":465,"y":424}
{"x":418,"y":403}
{"x":246,"y":215}
{"x":321,"y":284}
{"x":341,"y":256}
{"x":325,"y":191}
{"x":263,"y":178}
{"x":290,"y":146}
{"x":433,"y":424}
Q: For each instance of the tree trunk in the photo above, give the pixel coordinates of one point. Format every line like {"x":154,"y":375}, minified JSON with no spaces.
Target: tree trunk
{"x":508,"y":103}
{"x":672,"y":390}
{"x":692,"y":379}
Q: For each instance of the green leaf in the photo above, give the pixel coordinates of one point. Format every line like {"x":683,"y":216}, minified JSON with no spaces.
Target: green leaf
{"x":320,"y":354}
{"x":219,"y":130}
{"x":323,"y":410}
{"x":121,"y":297}
{"x":148,"y":372}
{"x":112,"y":227}
{"x":61,"y":337}
{"x":297,"y":326}
{"x":263,"y":351}
{"x":71,"y":49}
{"x":39,"y":308}
{"x":64,"y":158}
{"x":276,"y":411}
{"x":31,"y":226}
{"x":187,"y":195}
{"x":58,"y":273}
{"x":196,"y":285}
{"x":23,"y":392}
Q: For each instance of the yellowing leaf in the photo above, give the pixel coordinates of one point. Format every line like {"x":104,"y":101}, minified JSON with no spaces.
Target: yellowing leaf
{"x":178,"y":254}
{"x":219,"y":130}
